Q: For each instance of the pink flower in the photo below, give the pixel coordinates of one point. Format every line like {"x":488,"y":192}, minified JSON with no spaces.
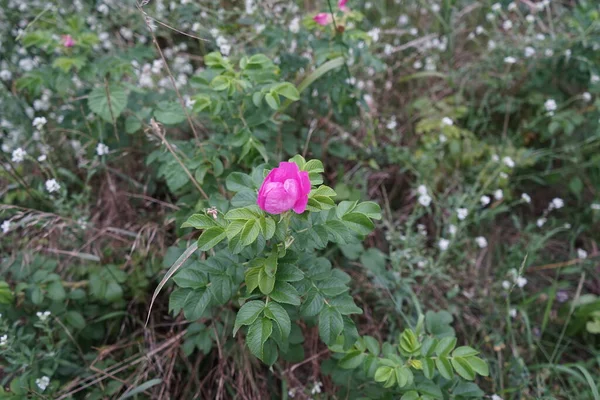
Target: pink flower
{"x":68,"y":41}
{"x":342,"y":5}
{"x":285,"y":188}
{"x":323,"y":19}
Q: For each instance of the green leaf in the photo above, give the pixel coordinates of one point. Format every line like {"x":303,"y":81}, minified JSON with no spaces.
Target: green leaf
{"x":56,"y":291}
{"x":258,"y":333}
{"x":428,"y":367}
{"x":75,"y":319}
{"x":288,"y":91}
{"x":467,"y":390}
{"x":404,"y":376}
{"x":438,"y":323}
{"x":68,"y":63}
{"x":445,"y":346}
{"x":331,"y":324}
{"x":372,"y":345}
{"x":312,"y":305}
{"x":283,"y":292}
{"x":478,"y":365}
{"x":211,"y":237}
{"x":464,"y":351}
{"x":428,"y":346}
{"x":36,"y":295}
{"x":245,"y":214}
{"x":383,"y":373}
{"x":6,"y":295}
{"x":410,"y":395}
{"x":272,"y":101}
{"x":409,"y":342}
{"x":463,"y":368}
{"x":221,"y":287}
{"x":266,"y":283}
{"x":170,"y":113}
{"x":140,"y":388}
{"x":281,"y":318}
{"x":236,"y":182}
{"x":248,"y":314}
{"x":199,"y":221}
{"x":430,"y":389}
{"x":352,"y":359}
{"x":359,"y":223}
{"x":196,"y":304}
{"x":444,"y":367}
{"x":271,"y":264}
{"x":314,"y":166}
{"x":132,"y":124}
{"x":101,"y":104}
{"x":370,"y":209}
{"x":319,"y":72}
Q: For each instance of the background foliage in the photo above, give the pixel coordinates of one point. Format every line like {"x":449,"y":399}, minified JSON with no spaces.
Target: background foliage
{"x":473,"y":125}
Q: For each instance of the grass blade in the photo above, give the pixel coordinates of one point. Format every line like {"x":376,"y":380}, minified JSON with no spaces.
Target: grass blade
{"x":174,"y":268}
{"x":140,"y":388}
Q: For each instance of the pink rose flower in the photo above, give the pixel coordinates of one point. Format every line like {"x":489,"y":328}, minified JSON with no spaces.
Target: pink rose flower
{"x":342,"y":5}
{"x":285,"y":188}
{"x":323,"y":19}
{"x":68,"y":41}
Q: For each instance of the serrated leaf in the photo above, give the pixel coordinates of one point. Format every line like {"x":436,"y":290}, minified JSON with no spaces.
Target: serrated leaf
{"x":98,"y":101}
{"x":313,"y":166}
{"x":271,"y":264}
{"x":211,"y":237}
{"x":245,"y":214}
{"x":190,"y":278}
{"x":272,"y":101}
{"x":428,"y":346}
{"x":250,"y":232}
{"x":281,"y":318}
{"x":258,"y":333}
{"x":237,"y":182}
{"x":199,"y":221}
{"x":248,"y":314}
{"x":265,"y":282}
{"x":430,"y":389}
{"x":312,"y":305}
{"x":370,"y":209}
{"x":359,"y":223}
{"x":283,"y":292}
{"x":331,"y":324}
{"x":196,"y":304}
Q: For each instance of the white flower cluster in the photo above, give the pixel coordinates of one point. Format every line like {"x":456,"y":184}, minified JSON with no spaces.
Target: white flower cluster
{"x":520,"y":281}
{"x":424,"y":198}
{"x":43,"y":315}
{"x":42,"y":382}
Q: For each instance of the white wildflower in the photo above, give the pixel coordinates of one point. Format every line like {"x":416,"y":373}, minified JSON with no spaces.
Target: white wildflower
{"x":529,"y":51}
{"x":508,"y":162}
{"x":587,"y":97}
{"x":506,"y":285}
{"x":44,"y":381}
{"x":595,"y":78}
{"x":496,"y":7}
{"x":507,"y":25}
{"x":425,"y":200}
{"x":548,"y":52}
{"x":43,"y":315}
{"x":526,"y":198}
{"x":5,"y":226}
{"x":499,"y":194}
{"x":102,"y":149}
{"x":512,"y":312}
{"x":595,"y":206}
{"x":550,"y":105}
{"x":452,"y":229}
{"x":39,"y":122}
{"x":540,"y":222}
{"x":294,"y":25}
{"x":462,"y":213}
{"x":403,"y":20}
{"x":510,"y":60}
{"x":443,"y":244}
{"x":447,"y":121}
{"x":581,"y":253}
{"x":485,"y":200}
{"x":18,"y":155}
{"x":316,"y":388}
{"x":530,"y":18}
{"x":443,"y":138}
{"x":374,"y":34}
{"x":3,"y":340}
{"x":422,"y":189}
{"x":481,"y":242}
{"x":52,"y":185}
{"x":556,"y":203}
{"x":521,"y":281}
{"x":42,"y":158}
{"x":392,"y":123}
